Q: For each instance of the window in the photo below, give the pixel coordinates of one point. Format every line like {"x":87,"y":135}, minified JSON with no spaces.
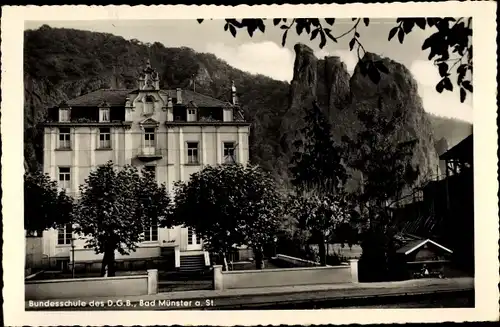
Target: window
{"x":419,"y":196}
{"x":151,"y":169}
{"x":151,"y":233}
{"x":229,"y":154}
{"x":104,"y":114}
{"x":104,"y":138}
{"x":64,"y":234}
{"x":149,"y":104}
{"x":149,"y":137}
{"x":192,"y":152}
{"x":65,"y":178}
{"x":191,"y":116}
{"x":64,"y":138}
{"x":64,"y":115}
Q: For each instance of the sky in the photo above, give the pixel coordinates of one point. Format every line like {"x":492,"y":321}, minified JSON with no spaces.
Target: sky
{"x":263,"y":53}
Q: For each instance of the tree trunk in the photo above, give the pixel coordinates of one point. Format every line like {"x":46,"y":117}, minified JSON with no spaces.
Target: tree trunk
{"x":322,"y":250}
{"x":259,"y":258}
{"x":108,"y":263}
{"x":104,"y":264}
{"x":111,"y":264}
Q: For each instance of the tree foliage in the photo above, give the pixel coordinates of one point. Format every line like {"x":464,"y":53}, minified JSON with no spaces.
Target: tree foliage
{"x":114,"y":209}
{"x":229,"y":206}
{"x":45,"y":206}
{"x":320,"y":214}
{"x":387,"y":171}
{"x":319,"y":176}
{"x":450,"y":47}
{"x":317,"y":161}
{"x":386,"y":167}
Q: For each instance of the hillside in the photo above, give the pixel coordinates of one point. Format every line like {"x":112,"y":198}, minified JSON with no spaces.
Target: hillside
{"x":64,"y":63}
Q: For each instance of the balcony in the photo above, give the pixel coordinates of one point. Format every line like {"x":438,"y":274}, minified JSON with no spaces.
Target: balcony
{"x":149,"y":154}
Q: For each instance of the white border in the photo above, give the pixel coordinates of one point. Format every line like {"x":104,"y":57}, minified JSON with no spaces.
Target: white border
{"x":485,"y":164}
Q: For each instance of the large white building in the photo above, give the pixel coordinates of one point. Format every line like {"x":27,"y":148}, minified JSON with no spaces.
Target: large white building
{"x":172,"y":132}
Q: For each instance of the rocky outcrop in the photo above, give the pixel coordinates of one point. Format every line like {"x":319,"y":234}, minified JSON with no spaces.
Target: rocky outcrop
{"x":333,"y":85}
{"x":302,"y":91}
{"x":340,"y":96}
{"x":398,"y":90}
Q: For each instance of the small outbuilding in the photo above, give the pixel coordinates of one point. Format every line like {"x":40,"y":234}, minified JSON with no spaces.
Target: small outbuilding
{"x":423,"y":258}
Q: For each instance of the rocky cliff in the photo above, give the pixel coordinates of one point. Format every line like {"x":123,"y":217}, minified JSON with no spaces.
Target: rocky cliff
{"x":340,"y":96}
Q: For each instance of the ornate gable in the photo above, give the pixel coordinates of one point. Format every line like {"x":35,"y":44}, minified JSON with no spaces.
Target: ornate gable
{"x":149,"y":122}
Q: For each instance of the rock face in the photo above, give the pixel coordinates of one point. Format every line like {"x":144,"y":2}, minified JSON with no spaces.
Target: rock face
{"x":340,"y":96}
{"x":302,"y":91}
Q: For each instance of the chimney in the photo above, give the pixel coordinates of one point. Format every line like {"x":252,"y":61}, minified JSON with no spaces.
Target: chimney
{"x":234,"y":98}
{"x":179,"y":95}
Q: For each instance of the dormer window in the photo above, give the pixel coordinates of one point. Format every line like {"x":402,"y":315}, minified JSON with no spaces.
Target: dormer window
{"x":104,"y":114}
{"x":191,"y":115}
{"x":227,"y":114}
{"x":64,"y":115}
{"x":149,"y":105}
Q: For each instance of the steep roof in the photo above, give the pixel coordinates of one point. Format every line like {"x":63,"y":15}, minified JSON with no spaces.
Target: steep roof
{"x":117,"y":98}
{"x":464,"y":150}
{"x":416,"y":244}
{"x":199,"y":99}
{"x":94,"y":99}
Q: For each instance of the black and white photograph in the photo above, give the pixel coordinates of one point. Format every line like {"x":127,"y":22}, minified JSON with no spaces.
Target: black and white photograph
{"x":192,"y":163}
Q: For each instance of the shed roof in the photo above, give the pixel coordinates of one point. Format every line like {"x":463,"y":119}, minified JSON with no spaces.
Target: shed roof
{"x":416,"y":244}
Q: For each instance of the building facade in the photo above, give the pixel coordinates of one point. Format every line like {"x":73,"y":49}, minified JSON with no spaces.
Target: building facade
{"x":174,"y":133}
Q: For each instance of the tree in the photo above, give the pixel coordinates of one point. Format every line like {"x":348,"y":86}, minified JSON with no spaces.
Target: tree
{"x":319,"y":213}
{"x":44,"y":205}
{"x":317,"y":161}
{"x":114,"y":209}
{"x":386,"y":165}
{"x":387,"y":172}
{"x":155,"y":204}
{"x":453,"y":37}
{"x":318,"y":175}
{"x":230,"y":206}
